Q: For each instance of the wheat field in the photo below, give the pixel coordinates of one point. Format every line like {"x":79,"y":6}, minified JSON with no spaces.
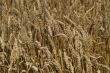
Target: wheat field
{"x":54,"y":36}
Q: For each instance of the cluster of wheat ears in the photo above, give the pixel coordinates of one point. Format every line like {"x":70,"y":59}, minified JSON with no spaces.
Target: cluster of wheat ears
{"x":54,"y":36}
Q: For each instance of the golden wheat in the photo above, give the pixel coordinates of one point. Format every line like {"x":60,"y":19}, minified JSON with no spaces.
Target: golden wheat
{"x":54,"y":36}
